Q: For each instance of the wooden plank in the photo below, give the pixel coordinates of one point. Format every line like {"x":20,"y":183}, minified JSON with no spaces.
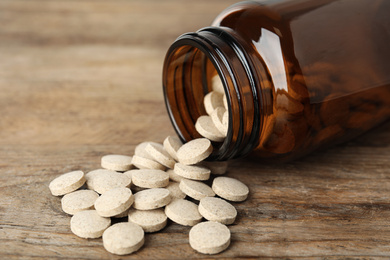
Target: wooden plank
{"x":80,"y":79}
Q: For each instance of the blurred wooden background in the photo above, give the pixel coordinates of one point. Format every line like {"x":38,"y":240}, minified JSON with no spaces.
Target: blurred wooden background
{"x":80,"y":79}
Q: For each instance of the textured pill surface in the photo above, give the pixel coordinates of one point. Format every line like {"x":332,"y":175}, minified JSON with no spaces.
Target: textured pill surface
{"x":89,"y":224}
{"x":172,"y":144}
{"x":196,"y":189}
{"x":206,"y":128}
{"x":209,"y":237}
{"x":194,"y":151}
{"x":159,"y":154}
{"x":114,"y":202}
{"x":230,"y":189}
{"x":123,"y":238}
{"x":213,"y":100}
{"x":104,"y":180}
{"x":150,"y":220}
{"x":146,"y":163}
{"x":78,"y":200}
{"x":173,"y":176}
{"x":183,"y":212}
{"x":216,"y":209}
{"x":175,"y":191}
{"x":193,"y":172}
{"x":116,"y":162}
{"x":149,"y":178}
{"x":217,"y":119}
{"x":151,"y":199}
{"x":67,"y":183}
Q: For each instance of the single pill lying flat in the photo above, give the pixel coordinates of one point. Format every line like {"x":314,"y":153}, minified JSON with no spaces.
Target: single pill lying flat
{"x":172,"y":144}
{"x":67,"y":183}
{"x":78,"y":200}
{"x":212,"y":100}
{"x":123,"y":238}
{"x":159,"y":154}
{"x":150,"y":220}
{"x":114,"y":202}
{"x":116,"y":162}
{"x":89,"y":224}
{"x":148,"y":178}
{"x":217,"y":119}
{"x":151,"y":199}
{"x":146,"y":163}
{"x":194,"y":151}
{"x":206,"y":128}
{"x":193,"y":172}
{"x":216,"y":209}
{"x":183,"y":212}
{"x":216,"y":167}
{"x":196,"y":189}
{"x":173,"y":176}
{"x":103,"y":180}
{"x":209,"y":237}
{"x":175,"y":191}
{"x":230,"y":189}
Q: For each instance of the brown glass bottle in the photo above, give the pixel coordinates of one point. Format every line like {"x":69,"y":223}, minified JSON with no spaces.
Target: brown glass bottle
{"x":298,"y":75}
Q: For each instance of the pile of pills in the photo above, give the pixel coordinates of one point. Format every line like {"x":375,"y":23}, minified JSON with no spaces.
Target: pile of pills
{"x":165,"y":175}
{"x":214,"y":125}
{"x":159,"y":182}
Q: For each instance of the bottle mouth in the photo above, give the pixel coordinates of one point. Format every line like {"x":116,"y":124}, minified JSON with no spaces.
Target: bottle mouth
{"x":189,"y":67}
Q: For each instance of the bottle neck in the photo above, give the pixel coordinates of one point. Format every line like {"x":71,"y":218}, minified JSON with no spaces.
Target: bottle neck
{"x":191,"y":61}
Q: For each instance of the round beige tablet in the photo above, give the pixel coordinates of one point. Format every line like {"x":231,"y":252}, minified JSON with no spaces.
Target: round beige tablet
{"x":67,"y":183}
{"x":216,"y":167}
{"x":217,"y":119}
{"x":183,"y":212}
{"x":89,"y":224}
{"x":150,"y":220}
{"x":230,"y":189}
{"x":209,"y":237}
{"x":123,"y":238}
{"x":216,"y":84}
{"x":175,"y":191}
{"x":194,"y":151}
{"x":159,"y":154}
{"x":102,"y":180}
{"x":173,"y":176}
{"x":148,"y":178}
{"x":140,"y":150}
{"x":78,"y":201}
{"x":216,"y":209}
{"x":145,"y":163}
{"x":193,"y":172}
{"x":116,"y":162}
{"x":172,"y":145}
{"x":114,"y":202}
{"x":196,"y":189}
{"x":212,"y":100}
{"x":206,"y":128}
{"x":151,"y":199}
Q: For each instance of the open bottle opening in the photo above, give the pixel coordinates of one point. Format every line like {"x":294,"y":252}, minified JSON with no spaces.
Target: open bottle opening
{"x":193,"y":66}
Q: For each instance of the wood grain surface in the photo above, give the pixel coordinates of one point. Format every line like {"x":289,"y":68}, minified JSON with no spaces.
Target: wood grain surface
{"x":81,"y":79}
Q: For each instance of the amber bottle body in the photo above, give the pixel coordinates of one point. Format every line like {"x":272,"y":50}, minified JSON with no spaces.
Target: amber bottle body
{"x":299,"y":74}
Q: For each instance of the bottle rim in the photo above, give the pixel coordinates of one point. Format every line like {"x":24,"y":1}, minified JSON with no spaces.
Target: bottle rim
{"x":218,"y":45}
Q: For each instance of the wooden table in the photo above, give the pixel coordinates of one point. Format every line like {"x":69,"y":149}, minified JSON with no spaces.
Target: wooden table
{"x":80,"y":79}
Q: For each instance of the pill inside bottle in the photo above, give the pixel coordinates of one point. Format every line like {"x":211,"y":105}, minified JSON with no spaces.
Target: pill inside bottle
{"x":295,"y":75}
